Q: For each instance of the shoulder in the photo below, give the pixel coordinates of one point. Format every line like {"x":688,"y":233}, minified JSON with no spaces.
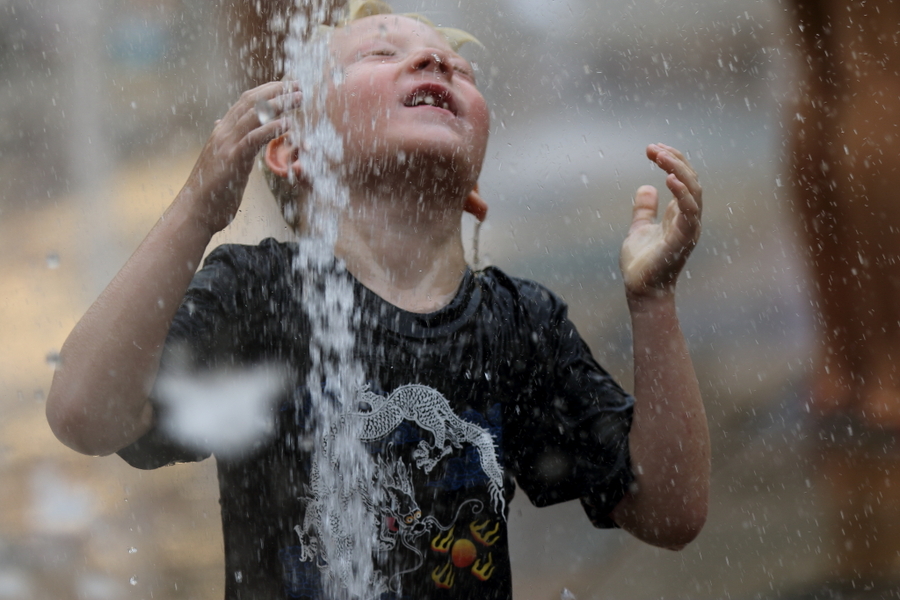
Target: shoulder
{"x":267,"y":252}
{"x":522,"y":294}
{"x":236,"y":275}
{"x":230,"y":263}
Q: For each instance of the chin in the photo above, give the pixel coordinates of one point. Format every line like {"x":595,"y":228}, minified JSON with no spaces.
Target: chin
{"x":426,"y":163}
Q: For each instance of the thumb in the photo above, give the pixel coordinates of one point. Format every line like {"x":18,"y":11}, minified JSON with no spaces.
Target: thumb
{"x":646,"y":205}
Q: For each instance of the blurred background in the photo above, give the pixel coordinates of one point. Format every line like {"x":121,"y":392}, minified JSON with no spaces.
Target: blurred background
{"x":104,"y":105}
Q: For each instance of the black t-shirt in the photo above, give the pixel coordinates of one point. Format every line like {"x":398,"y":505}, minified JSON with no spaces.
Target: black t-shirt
{"x":459,"y":406}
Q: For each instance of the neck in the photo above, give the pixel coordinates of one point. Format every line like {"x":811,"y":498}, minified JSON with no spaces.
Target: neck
{"x":404,"y":244}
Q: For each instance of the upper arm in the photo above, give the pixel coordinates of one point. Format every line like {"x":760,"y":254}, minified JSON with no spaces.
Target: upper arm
{"x":578,"y":421}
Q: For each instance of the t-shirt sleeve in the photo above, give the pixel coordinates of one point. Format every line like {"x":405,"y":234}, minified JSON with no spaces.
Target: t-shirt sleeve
{"x":203,"y":333}
{"x":575,"y":442}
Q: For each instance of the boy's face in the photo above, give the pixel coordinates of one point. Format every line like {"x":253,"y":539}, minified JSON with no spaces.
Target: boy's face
{"x":405,"y":93}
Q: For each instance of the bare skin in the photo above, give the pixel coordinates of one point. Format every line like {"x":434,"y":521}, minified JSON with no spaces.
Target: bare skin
{"x":98,"y":401}
{"x":400,"y":237}
{"x":669,"y":438}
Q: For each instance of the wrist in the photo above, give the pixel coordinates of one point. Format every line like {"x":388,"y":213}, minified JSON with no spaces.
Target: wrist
{"x":188,"y":220}
{"x":650,"y":298}
{"x":195,"y":213}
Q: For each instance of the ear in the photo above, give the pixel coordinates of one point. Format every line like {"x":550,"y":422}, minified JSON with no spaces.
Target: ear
{"x":475,"y":205}
{"x":282,"y":158}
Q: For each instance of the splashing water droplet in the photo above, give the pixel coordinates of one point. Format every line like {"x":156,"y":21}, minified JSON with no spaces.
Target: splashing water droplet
{"x":132,"y":550}
{"x":566,"y":595}
{"x":52,"y":260}
{"x":53,"y":359}
{"x":133,"y":580}
{"x":584,"y":179}
{"x":264,"y":111}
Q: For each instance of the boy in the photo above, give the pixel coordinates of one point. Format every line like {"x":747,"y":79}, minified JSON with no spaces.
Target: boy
{"x":474,"y":381}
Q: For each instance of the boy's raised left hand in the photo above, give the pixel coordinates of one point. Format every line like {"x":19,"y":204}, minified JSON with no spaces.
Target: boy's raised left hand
{"x":654,"y":253}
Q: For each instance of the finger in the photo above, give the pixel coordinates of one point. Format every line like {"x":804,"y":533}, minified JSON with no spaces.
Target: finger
{"x":251,"y":97}
{"x":266,"y":113}
{"x":285,"y":102}
{"x":677,"y":167}
{"x":269,"y":90}
{"x":687,"y":203}
{"x":250,"y":100}
{"x":269,"y":106}
{"x":266,"y":132}
{"x":678,"y":154}
{"x":671,"y":162}
{"x":646,"y":205}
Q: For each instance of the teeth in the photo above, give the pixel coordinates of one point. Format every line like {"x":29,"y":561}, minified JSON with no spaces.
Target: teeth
{"x":430,"y":100}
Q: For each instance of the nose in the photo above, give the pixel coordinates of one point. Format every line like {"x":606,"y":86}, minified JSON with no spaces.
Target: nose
{"x":433,"y":59}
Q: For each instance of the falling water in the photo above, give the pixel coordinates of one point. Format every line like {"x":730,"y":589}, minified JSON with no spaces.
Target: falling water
{"x":339,"y":522}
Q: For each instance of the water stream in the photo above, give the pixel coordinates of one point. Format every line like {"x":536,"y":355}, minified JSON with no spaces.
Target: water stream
{"x":339,"y":528}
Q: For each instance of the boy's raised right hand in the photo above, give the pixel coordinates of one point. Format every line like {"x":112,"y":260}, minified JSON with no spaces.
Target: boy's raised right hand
{"x":219,"y":177}
{"x":99,"y":400}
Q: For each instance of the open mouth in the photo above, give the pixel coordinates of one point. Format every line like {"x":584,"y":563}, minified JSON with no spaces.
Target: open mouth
{"x":431,"y":95}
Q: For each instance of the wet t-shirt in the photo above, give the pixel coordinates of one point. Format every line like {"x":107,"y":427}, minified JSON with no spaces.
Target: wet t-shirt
{"x":454,"y":408}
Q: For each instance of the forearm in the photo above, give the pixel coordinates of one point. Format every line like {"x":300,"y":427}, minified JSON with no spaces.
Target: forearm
{"x":669,"y":439}
{"x":98,"y":401}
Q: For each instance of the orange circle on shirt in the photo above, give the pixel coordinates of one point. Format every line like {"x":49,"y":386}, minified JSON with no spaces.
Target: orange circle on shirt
{"x":463,"y":553}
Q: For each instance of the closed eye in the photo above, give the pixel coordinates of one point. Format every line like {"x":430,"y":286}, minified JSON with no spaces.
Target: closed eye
{"x":464,"y":70}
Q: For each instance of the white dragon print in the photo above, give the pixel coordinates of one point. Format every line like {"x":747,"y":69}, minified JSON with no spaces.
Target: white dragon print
{"x":390,"y":498}
{"x":428,"y":409}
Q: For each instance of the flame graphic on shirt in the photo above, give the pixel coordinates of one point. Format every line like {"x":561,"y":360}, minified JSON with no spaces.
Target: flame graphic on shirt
{"x":443,"y":577}
{"x":482,"y":535}
{"x":442,"y":544}
{"x":484,"y":570}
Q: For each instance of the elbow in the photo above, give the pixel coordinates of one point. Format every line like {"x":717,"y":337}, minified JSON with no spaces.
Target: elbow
{"x":91,"y":429}
{"x":674,"y":533}
{"x":682,"y":526}
{"x":668,"y":525}
{"x":69,"y":423}
{"x":684,"y":530}
{"x":65,"y":425}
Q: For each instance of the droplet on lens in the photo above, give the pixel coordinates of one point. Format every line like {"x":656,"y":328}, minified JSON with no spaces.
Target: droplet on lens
{"x":53,"y":359}
{"x":264,"y":111}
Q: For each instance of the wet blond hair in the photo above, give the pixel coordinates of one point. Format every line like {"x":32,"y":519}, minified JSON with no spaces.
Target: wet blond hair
{"x":287,"y":193}
{"x":360,"y":9}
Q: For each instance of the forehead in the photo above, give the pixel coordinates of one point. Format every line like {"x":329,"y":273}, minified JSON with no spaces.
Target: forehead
{"x":395,"y":29}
